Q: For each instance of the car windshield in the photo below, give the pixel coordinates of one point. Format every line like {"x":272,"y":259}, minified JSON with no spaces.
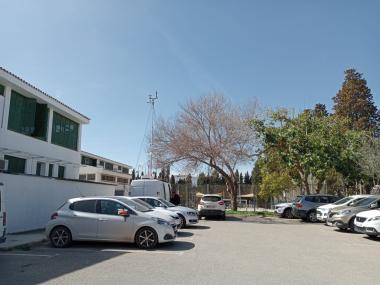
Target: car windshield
{"x":342,"y":201}
{"x":134,"y":205}
{"x":141,"y":202}
{"x":166,"y":203}
{"x":364,"y":202}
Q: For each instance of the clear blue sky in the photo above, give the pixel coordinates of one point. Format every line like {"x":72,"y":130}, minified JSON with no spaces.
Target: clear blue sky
{"x":104,"y":57}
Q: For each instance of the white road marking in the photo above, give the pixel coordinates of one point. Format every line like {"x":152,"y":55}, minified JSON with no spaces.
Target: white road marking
{"x":144,"y":251}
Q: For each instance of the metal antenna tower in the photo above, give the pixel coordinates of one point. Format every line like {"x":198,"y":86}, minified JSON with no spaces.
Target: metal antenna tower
{"x":152,"y":100}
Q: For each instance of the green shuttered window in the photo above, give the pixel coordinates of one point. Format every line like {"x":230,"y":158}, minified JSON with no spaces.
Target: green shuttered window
{"x":64,"y":132}
{"x":27,"y":117}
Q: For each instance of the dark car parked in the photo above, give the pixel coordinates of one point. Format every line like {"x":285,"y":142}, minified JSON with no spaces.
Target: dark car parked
{"x":305,"y":207}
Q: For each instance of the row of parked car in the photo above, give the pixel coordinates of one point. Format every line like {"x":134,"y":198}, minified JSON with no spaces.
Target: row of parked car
{"x":358,"y":213}
{"x":145,"y":221}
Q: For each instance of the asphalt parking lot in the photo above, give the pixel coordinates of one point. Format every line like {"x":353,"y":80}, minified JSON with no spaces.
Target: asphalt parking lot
{"x":258,"y":251}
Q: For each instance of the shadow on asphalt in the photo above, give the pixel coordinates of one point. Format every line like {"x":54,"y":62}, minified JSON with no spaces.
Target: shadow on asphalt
{"x":374,"y":239}
{"x":182,"y":234}
{"x":265,"y":220}
{"x":198,"y":227}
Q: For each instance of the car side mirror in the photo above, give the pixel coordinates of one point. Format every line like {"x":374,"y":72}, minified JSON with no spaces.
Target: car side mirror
{"x":123,"y":213}
{"x":373,"y":206}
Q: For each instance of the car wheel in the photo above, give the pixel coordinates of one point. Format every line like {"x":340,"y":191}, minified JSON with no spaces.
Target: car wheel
{"x":183,"y":222}
{"x":288,"y":214}
{"x":223,"y":216}
{"x":60,"y":237}
{"x":312,"y":217}
{"x":146,"y":238}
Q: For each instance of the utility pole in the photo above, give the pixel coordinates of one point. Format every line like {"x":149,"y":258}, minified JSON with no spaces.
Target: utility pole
{"x":151,"y":101}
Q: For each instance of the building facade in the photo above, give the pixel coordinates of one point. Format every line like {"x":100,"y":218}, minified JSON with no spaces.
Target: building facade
{"x":39,"y":135}
{"x":99,"y":169}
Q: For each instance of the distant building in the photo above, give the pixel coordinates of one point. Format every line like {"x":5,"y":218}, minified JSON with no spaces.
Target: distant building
{"x":39,"y":135}
{"x":99,"y":169}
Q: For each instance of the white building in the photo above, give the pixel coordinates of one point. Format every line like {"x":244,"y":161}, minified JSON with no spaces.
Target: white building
{"x":39,"y":135}
{"x":99,"y":169}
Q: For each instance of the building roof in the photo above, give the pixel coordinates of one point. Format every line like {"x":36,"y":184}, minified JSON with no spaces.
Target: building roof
{"x":85,"y":153}
{"x":86,"y":119}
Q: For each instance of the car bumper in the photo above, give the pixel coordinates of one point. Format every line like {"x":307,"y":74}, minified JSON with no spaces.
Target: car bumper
{"x":279,"y":211}
{"x":211,"y":212}
{"x":191,"y":219}
{"x":340,"y":221}
{"x":166,"y":234}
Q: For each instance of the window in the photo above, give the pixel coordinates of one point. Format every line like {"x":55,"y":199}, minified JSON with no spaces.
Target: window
{"x":91,"y":177}
{"x":2,"y":90}
{"x":125,"y":170}
{"x":87,"y":206}
{"x":88,"y":161}
{"x":108,"y":207}
{"x":333,"y":199}
{"x":27,"y":117}
{"x":82,"y":176}
{"x":64,"y":132}
{"x":40,"y":170}
{"x":119,"y":167}
{"x":61,"y":172}
{"x":15,"y":164}
{"x":108,"y":178}
{"x":101,"y":163}
{"x":211,"y":198}
{"x":51,"y":167}
{"x":122,"y":180}
{"x":323,"y":199}
{"x":310,"y":198}
{"x":108,"y":166}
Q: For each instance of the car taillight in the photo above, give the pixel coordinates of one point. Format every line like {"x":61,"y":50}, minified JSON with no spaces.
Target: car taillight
{"x":221,"y":203}
{"x":299,"y":205}
{"x":54,"y":216}
{"x":4,"y":219}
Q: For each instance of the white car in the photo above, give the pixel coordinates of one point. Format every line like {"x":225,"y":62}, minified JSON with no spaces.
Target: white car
{"x":160,"y":212}
{"x":187,"y":215}
{"x":323,"y":211}
{"x":212,"y":205}
{"x":284,"y":210}
{"x":107,"y":219}
{"x":3,"y":215}
{"x":368,"y":222}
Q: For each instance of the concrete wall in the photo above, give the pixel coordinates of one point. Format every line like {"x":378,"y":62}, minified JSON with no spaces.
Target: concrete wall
{"x":30,"y":200}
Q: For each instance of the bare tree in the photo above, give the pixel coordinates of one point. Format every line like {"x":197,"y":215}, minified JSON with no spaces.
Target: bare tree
{"x":209,"y":131}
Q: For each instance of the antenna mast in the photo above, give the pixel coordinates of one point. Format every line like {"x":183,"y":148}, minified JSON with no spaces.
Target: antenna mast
{"x":152,"y":100}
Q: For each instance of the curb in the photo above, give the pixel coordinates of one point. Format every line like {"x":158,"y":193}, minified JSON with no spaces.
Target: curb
{"x":24,"y":246}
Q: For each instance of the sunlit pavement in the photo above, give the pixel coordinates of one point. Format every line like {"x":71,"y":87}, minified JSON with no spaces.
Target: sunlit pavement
{"x":214,"y":252}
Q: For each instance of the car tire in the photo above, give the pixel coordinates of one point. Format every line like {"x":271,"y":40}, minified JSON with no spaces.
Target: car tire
{"x":312,"y":217}
{"x":146,"y":238}
{"x":223,"y":216}
{"x":183,"y":221}
{"x":60,"y":237}
{"x":351,"y":225}
{"x":287,"y":214}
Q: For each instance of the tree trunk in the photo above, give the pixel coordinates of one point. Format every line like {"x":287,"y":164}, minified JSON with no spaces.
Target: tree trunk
{"x":232,"y":188}
{"x":319,"y":186}
{"x":306,"y":184}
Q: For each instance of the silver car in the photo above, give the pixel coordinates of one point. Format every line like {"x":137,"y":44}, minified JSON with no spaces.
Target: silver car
{"x":107,"y":219}
{"x":187,"y":215}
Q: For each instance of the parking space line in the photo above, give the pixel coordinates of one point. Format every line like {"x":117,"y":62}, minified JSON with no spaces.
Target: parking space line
{"x":144,"y":252}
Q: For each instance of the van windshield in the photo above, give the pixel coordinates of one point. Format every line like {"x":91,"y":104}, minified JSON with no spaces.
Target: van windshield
{"x":166,"y":203}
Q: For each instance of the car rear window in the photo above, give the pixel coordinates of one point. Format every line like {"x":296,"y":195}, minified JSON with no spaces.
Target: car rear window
{"x":310,"y":198}
{"x":211,"y":198}
{"x":88,"y":206}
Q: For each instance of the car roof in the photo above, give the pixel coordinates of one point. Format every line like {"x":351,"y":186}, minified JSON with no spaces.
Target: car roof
{"x":139,"y":197}
{"x":72,"y":200}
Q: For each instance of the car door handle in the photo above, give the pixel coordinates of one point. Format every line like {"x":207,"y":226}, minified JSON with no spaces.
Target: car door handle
{"x":103,"y":219}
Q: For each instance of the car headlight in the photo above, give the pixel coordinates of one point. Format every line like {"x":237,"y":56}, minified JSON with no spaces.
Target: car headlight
{"x":344,"y":212}
{"x":161,"y":222}
{"x":191,"y":213}
{"x":374,"y":219}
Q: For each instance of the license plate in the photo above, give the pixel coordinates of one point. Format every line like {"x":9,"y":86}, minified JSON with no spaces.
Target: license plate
{"x":359,"y":225}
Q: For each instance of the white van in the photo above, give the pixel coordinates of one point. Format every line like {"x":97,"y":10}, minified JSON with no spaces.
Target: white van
{"x":3,"y":219}
{"x":150,"y":187}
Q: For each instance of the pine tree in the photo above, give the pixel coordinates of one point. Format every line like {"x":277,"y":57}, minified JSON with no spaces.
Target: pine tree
{"x":172,"y":180}
{"x":320,"y":110}
{"x":355,"y":102}
{"x":247,"y":178}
